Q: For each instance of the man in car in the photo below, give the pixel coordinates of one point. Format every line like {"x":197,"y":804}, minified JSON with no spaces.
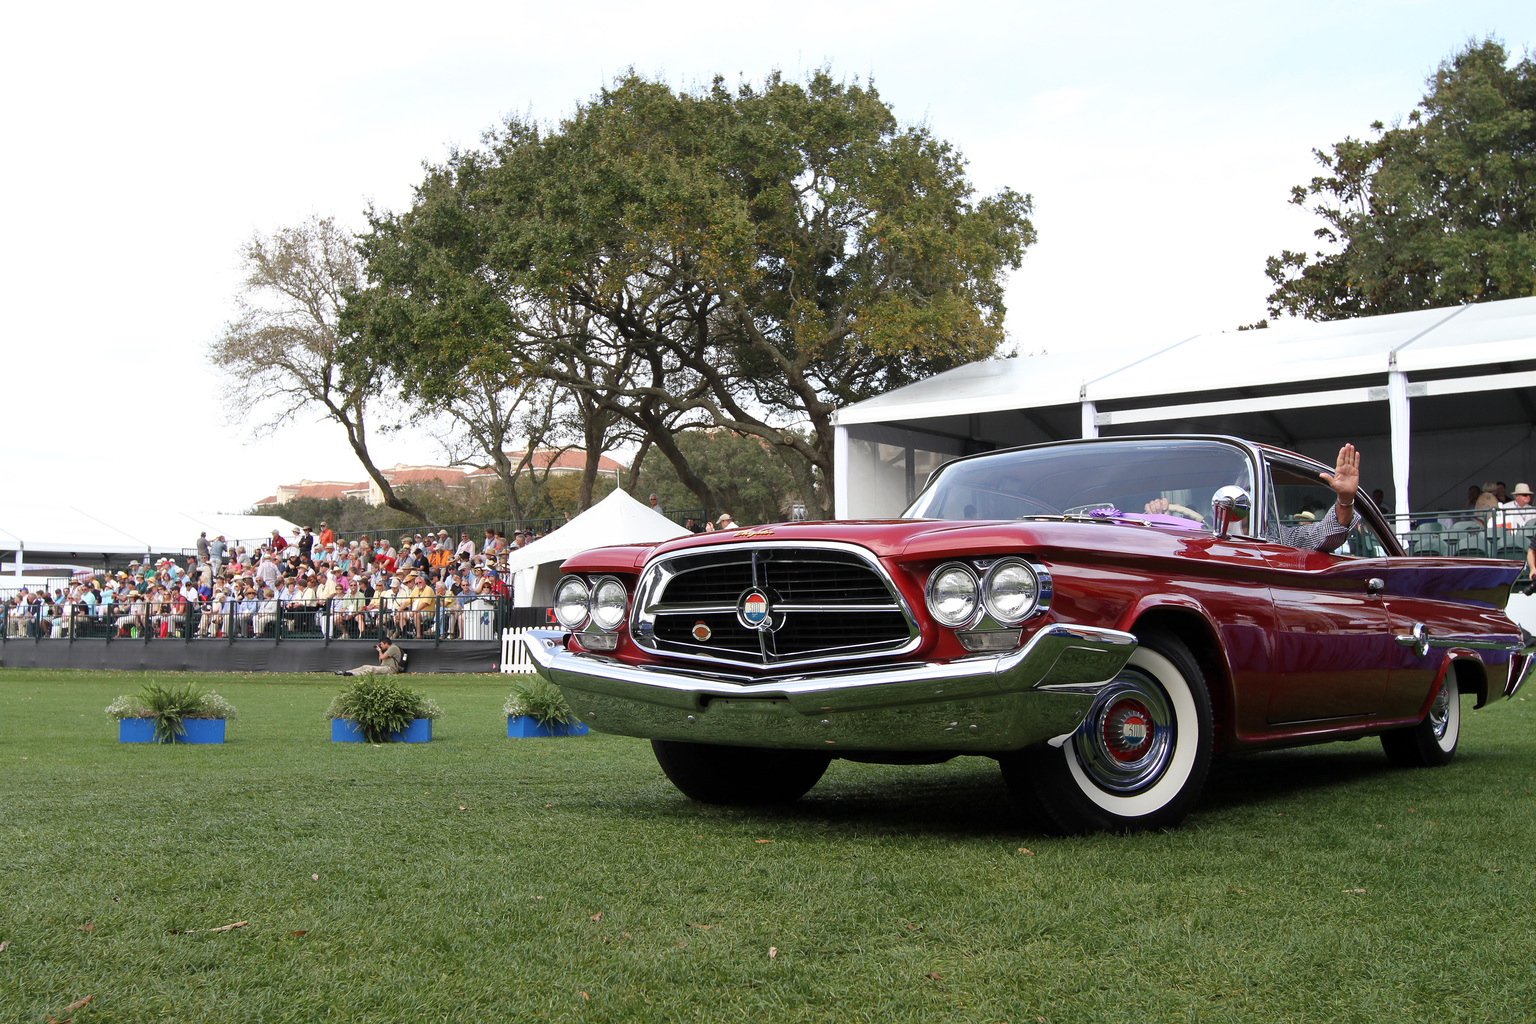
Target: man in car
{"x":1329,"y":530}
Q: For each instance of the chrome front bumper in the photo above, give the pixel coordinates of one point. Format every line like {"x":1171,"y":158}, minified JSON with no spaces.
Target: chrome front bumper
{"x":985,"y":704}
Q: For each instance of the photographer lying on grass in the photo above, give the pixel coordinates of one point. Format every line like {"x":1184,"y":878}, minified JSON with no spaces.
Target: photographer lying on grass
{"x":390,"y":659}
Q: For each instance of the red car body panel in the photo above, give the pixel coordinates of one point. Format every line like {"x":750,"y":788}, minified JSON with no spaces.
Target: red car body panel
{"x":1298,"y":645}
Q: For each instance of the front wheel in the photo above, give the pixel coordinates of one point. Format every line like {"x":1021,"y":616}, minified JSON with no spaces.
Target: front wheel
{"x":1140,"y":758}
{"x":715,"y":774}
{"x":1432,"y":742}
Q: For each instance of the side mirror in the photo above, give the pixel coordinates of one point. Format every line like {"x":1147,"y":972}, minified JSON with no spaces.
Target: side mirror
{"x":1228,"y":505}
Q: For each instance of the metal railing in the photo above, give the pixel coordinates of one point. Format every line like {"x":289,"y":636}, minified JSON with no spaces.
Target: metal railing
{"x":437,"y":618}
{"x":1470,"y":533}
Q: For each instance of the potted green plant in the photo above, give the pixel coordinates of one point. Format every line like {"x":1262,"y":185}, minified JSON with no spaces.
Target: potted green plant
{"x":160,"y":714}
{"x":536,"y":707}
{"x":379,"y":709}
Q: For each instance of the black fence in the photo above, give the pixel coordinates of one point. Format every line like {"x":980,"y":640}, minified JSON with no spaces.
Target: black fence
{"x":1485,"y":533}
{"x":137,"y":620}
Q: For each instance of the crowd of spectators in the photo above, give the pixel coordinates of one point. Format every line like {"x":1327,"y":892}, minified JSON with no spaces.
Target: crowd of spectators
{"x":307,"y":584}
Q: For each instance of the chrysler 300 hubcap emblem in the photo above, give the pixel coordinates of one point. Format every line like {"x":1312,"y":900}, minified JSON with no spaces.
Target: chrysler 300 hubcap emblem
{"x":753,"y":610}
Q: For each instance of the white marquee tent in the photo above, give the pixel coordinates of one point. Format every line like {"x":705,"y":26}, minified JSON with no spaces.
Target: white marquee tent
{"x":52,"y":534}
{"x":617,"y":519}
{"x":1435,"y":399}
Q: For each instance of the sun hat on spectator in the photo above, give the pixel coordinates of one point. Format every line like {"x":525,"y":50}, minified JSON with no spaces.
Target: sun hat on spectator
{"x":1521,"y":489}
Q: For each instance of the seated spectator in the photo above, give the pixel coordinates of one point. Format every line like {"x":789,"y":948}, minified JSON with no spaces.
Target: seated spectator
{"x":264,"y":623}
{"x":1518,"y":512}
{"x":208,"y":623}
{"x":423,"y":601}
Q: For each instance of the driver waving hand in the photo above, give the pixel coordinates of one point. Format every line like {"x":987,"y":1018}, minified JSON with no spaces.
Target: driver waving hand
{"x":1330,"y":530}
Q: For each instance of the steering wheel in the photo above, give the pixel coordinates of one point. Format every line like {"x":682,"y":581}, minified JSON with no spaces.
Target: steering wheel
{"x":1183,"y":511}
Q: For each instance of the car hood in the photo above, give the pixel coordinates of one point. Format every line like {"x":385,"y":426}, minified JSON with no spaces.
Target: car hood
{"x":916,"y":538}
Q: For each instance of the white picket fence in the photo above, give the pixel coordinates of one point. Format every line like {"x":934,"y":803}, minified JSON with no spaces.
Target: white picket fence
{"x":514,"y":652}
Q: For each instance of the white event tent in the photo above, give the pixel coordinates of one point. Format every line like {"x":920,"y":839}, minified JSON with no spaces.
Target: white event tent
{"x":1435,"y":400}
{"x":617,"y":519}
{"x":51,"y":534}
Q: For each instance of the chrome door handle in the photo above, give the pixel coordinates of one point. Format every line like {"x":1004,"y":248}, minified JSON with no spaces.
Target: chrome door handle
{"x":1375,"y":585}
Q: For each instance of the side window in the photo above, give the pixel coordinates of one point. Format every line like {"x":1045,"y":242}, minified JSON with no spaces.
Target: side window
{"x":1363,"y":542}
{"x":1299,"y":502}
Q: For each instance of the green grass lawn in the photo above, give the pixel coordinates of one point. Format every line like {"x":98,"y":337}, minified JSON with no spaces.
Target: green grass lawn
{"x":477,"y":878}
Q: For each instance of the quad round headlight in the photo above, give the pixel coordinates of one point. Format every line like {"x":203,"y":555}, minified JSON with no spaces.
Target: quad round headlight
{"x":608,"y":604}
{"x":571,"y":602}
{"x":953,"y":594}
{"x":1010,"y":591}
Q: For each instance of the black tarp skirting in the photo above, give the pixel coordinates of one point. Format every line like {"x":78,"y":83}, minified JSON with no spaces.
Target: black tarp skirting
{"x":243,"y":655}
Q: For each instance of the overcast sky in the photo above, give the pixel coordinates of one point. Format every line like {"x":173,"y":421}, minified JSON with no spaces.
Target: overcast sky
{"x":147,"y":142}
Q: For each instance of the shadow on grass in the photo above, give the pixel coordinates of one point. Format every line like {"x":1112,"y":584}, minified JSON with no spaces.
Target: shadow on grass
{"x":1251,"y":779}
{"x":966,"y":798}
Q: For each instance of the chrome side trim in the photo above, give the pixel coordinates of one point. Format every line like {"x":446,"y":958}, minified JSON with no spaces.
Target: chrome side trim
{"x":1422,"y":641}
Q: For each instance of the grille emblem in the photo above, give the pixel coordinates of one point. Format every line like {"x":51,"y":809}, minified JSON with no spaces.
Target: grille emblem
{"x":701,"y":631}
{"x":753,"y":610}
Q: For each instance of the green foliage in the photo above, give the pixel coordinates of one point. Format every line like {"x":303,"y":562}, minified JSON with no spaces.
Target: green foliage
{"x":380,"y":705}
{"x":746,"y":259}
{"x":745,"y":476}
{"x":555,"y":498}
{"x":540,"y":700}
{"x":1435,"y":212}
{"x":169,"y":707}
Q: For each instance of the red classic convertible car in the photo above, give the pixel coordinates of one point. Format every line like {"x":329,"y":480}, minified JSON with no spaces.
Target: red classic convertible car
{"x":1030,"y":608}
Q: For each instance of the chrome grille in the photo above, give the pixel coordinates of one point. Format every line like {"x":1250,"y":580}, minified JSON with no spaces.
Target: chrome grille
{"x":829,"y":602}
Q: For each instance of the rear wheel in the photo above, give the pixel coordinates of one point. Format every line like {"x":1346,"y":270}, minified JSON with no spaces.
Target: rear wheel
{"x":1140,"y":758}
{"x":1432,"y":742}
{"x":715,"y":774}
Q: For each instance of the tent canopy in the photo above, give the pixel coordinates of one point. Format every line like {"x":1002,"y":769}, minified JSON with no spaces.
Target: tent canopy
{"x":67,"y":533}
{"x":617,"y":519}
{"x":1435,"y":399}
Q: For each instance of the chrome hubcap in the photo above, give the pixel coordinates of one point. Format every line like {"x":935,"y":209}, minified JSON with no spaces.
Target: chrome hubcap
{"x":1440,"y":712}
{"x":1127,"y":740}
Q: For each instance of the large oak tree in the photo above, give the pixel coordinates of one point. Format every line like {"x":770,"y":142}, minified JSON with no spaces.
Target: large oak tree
{"x":746,"y":258}
{"x":1436,"y":211}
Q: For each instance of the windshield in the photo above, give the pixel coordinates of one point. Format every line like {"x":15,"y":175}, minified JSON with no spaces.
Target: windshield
{"x":1168,"y":477}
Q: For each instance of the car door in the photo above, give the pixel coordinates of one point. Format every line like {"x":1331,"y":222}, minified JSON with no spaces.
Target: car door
{"x":1332,"y":647}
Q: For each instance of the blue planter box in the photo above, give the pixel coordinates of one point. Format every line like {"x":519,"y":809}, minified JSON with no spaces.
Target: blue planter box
{"x":199,"y":730}
{"x":345,"y":730}
{"x":524,"y":726}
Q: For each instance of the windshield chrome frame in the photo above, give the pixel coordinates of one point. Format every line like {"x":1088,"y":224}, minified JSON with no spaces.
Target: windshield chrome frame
{"x":1251,"y":452}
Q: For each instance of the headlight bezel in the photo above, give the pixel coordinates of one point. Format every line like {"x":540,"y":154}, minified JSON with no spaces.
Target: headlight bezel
{"x":990,"y":587}
{"x":931,"y":598}
{"x":583,"y":603}
{"x":593,"y":597}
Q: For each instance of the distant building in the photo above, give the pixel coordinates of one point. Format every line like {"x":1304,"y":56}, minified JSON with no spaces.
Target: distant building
{"x":475,"y":481}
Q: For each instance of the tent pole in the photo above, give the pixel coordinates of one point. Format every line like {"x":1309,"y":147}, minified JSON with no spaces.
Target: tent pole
{"x":21,"y":550}
{"x":1090,"y":416}
{"x":1397,"y":407}
{"x":840,"y":472}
